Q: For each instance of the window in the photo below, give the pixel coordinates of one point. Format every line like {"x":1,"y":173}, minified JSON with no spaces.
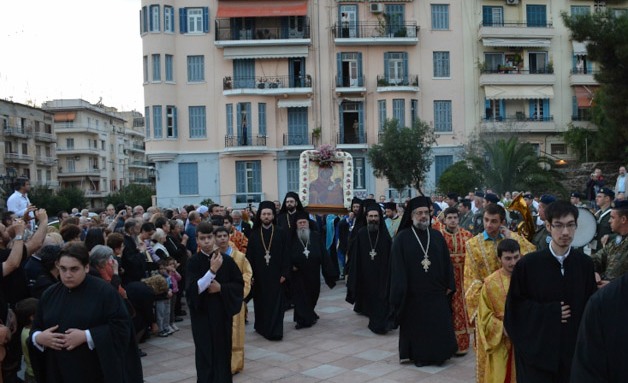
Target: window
{"x":442,"y":116}
{"x":441,"y":64}
{"x":154,"y":18}
{"x":536,"y":15}
{"x":171,"y":121}
{"x":49,"y":175}
{"x":359,"y":173}
{"x":495,"y":110}
{"x":144,"y":20}
{"x":197,"y":122}
{"x":25,"y":148}
{"x":414,"y":110}
{"x":558,"y":149}
{"x":248,"y":181}
{"x":157,"y":121}
{"x":261,"y":115}
{"x":244,"y":73}
{"x":492,"y":62}
{"x":229,"y":116}
{"x":292,"y":167}
{"x":196,"y":68}
{"x":168,"y":19}
{"x":102,"y":144}
{"x":440,"y":16}
{"x":441,"y":163}
{"x":396,"y":68}
{"x":194,"y":20}
{"x":399,"y":111}
{"x":349,"y":69}
{"x":395,"y":16}
{"x":147,"y":119}
{"x":156,"y":67}
{"x":580,"y":10}
{"x":538,"y":62}
{"x":71,"y":165}
{"x":39,"y":176}
{"x":145,"y":67}
{"x":492,"y":16}
{"x":245,"y":125}
{"x":188,"y":178}
{"x":540,"y":110}
{"x":169,"y":68}
{"x":69,"y":143}
{"x":297,"y":126}
{"x":381,"y":112}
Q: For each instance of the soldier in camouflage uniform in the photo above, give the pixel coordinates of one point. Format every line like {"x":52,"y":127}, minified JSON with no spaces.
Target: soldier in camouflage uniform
{"x":542,"y":237}
{"x":612,"y":261}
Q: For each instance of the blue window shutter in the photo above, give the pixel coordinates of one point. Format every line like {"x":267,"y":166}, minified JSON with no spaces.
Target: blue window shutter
{"x":240,"y":177}
{"x":257,"y":177}
{"x":502,"y":109}
{"x":532,"y":106}
{"x":249,"y":119}
{"x":546,"y":109}
{"x":386,"y":64}
{"x":339,"y":66}
{"x":361,"y":123}
{"x":405,"y":68}
{"x":487,"y":107}
{"x":448,"y":116}
{"x":141,"y":21}
{"x":589,"y":66}
{"x":574,"y":63}
{"x":205,"y":19}
{"x":574,"y":106}
{"x":341,"y":124}
{"x":150,"y":18}
{"x":284,"y":28}
{"x":145,"y":27}
{"x":261,"y":115}
{"x":229,"y":118}
{"x":147,"y":120}
{"x":291,"y":73}
{"x":360,"y":79}
{"x":487,"y":16}
{"x":183,"y":20}
{"x":239,"y":119}
{"x":175,"y":129}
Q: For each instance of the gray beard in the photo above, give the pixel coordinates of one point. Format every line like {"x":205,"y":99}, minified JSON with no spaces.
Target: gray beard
{"x":372,"y":227}
{"x":304,"y":235}
{"x":420,"y":225}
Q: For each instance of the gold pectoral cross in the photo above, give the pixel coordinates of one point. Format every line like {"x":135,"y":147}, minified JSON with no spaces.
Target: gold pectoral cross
{"x":267,"y":258}
{"x":372,"y":253}
{"x":426,"y":264}
{"x":306,"y":252}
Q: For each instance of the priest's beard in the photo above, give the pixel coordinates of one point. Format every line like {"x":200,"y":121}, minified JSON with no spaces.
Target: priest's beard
{"x":372,"y":227}
{"x":419,"y":224}
{"x":304,"y":234}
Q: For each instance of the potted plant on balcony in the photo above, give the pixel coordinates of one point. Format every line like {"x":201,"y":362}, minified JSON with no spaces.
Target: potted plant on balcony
{"x":227,"y":84}
{"x":316,"y":135}
{"x":550,"y":67}
{"x":382,"y":81}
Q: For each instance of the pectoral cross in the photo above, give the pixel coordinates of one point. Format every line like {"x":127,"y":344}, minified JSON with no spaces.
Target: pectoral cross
{"x":426,"y":264}
{"x":267,"y":258}
{"x":372,"y":253}
{"x":306,"y":252}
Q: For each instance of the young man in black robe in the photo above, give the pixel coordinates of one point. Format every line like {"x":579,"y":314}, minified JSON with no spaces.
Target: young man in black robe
{"x":308,"y":257}
{"x":422,"y":281}
{"x":285,"y":217}
{"x":548,"y":292}
{"x":368,"y":280}
{"x":270,"y":262}
{"x":214,"y":295}
{"x":345,"y":225}
{"x":82,"y":331}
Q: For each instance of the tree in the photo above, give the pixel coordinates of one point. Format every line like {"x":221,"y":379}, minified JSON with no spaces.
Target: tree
{"x":132,"y":195}
{"x":404,"y":154}
{"x":65,"y":199}
{"x":459,"y":178}
{"x":207,"y":202}
{"x":607,"y":44}
{"x":74,"y":198}
{"x":507,"y":165}
{"x":580,"y":141}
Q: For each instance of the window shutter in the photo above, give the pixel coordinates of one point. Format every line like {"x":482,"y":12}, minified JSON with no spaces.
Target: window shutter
{"x":249,"y":120}
{"x":574,"y":63}
{"x":487,"y":16}
{"x":229,"y":116}
{"x":261,"y":115}
{"x":487,"y":108}
{"x":205,"y":19}
{"x":386,"y":65}
{"x":405,"y":68}
{"x":239,"y":120}
{"x":361,"y":138}
{"x":360,"y":78}
{"x":574,"y":106}
{"x":339,"y":81}
{"x":502,"y":109}
{"x":240,"y":177}
{"x":341,"y":123}
{"x":532,"y":105}
{"x":183,"y":20}
{"x":175,"y":131}
{"x":589,"y":66}
{"x":546,"y":109}
{"x":141,"y":21}
{"x":257,"y":177}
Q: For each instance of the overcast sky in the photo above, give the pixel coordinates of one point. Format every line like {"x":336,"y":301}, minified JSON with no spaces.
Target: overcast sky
{"x":71,"y":49}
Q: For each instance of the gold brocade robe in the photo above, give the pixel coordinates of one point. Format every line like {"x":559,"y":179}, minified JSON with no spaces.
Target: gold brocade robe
{"x":480,"y":262}
{"x":500,"y":362}
{"x":456,"y":244}
{"x":237,"y":336}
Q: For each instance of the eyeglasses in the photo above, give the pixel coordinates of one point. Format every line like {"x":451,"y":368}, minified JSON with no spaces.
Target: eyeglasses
{"x":561,"y":226}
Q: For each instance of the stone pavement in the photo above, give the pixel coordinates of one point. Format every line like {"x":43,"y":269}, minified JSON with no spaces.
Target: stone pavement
{"x":339,"y":348}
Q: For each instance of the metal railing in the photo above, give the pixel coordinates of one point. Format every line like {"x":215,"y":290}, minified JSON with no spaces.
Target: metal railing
{"x":139,"y":146}
{"x":584,"y":71}
{"x":17,"y":157}
{"x":78,"y":171}
{"x":139,"y":163}
{"x":238,"y":141}
{"x":409,"y":80}
{"x":271,"y":29}
{"x":297,"y":139}
{"x":519,"y":118}
{"x":348,"y":82}
{"x":374,"y":29}
{"x":267,"y":82}
{"x":42,"y":136}
{"x":78,"y":127}
{"x":516,"y":24}
{"x":139,"y":180}
{"x":77,"y":149}
{"x":359,"y":138}
{"x":15,"y":131}
{"x":514,"y":70}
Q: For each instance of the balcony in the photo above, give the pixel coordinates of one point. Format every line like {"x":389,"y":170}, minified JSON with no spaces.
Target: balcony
{"x":346,"y":84}
{"x":15,"y":131}
{"x":78,"y":172}
{"x":376,"y":33}
{"x":520,"y":123}
{"x":77,"y":150}
{"x":582,"y":77}
{"x":514,"y":76}
{"x":139,"y":164}
{"x":45,"y":161}
{"x":298,"y":141}
{"x":15,"y":158}
{"x":136,"y":180}
{"x":409,"y":83}
{"x":245,"y":144}
{"x":351,"y":140}
{"x":45,"y":137}
{"x":69,"y":127}
{"x":137,"y":148}
{"x":267,"y":85}
{"x":516,"y":34}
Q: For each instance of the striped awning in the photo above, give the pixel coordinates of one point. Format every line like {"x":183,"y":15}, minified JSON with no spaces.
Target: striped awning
{"x":296,"y":103}
{"x":516,"y":92}
{"x":519,"y":43}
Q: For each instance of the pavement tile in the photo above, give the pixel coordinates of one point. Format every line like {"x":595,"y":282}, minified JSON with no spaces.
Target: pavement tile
{"x":324,"y":371}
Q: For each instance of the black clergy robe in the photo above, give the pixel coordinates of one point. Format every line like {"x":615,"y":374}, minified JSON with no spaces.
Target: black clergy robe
{"x":419,"y":298}
{"x":211,"y":316}
{"x":601,"y":351}
{"x":305,"y":277}
{"x":543,"y":345}
{"x":96,"y":306}
{"x":268,"y":293}
{"x":368,"y":280}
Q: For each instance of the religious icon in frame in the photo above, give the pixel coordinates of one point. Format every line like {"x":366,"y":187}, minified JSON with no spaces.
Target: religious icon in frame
{"x":326,"y":178}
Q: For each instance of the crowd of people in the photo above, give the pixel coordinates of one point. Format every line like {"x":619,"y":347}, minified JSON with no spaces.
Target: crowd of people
{"x":78,"y":297}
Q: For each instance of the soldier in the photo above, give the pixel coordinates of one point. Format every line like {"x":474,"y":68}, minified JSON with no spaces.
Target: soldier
{"x":542,"y":238}
{"x":612,"y":260}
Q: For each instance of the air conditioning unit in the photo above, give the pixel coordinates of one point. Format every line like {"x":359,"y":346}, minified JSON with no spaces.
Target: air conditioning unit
{"x":512,"y":2}
{"x":377,"y":7}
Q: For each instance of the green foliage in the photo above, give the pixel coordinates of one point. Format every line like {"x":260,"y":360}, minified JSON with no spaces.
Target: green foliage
{"x":132,"y":195}
{"x":404,"y":154}
{"x":581,"y":140}
{"x":459,"y":178}
{"x":607,"y":44}
{"x":64,"y":199}
{"x":207,"y":202}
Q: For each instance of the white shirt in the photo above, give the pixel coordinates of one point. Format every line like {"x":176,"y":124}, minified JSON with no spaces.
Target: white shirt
{"x":18,"y":203}
{"x":620,"y":186}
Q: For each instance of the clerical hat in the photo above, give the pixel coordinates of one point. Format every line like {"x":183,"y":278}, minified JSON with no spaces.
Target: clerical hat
{"x":479,"y":193}
{"x":301,"y":214}
{"x":356,"y":200}
{"x":372,"y":206}
{"x":420,"y":201}
{"x":267,"y":205}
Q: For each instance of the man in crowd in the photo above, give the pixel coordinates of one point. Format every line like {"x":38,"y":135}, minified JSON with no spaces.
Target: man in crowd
{"x":237,"y":238}
{"x":611,"y":261}
{"x":481,"y":261}
{"x":368,"y":280}
{"x":500,"y":363}
{"x":466,"y":215}
{"x":622,"y":181}
{"x":603,"y":200}
{"x":422,"y":280}
{"x":19,"y":203}
{"x":291,"y":204}
{"x":456,"y":238}
{"x":271,"y":266}
{"x":541,"y":237}
{"x":392,"y":218}
{"x":239,"y":224}
{"x":595,"y":183}
{"x":194,"y":218}
{"x":548,"y":292}
{"x":478,"y":213}
{"x":576,"y":200}
{"x":345,"y":225}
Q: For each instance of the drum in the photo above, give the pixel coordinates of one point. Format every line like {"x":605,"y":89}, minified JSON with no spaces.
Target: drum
{"x":587,"y":226}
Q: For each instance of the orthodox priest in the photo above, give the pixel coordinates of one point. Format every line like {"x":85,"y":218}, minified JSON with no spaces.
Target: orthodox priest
{"x":214,"y":294}
{"x":422,"y":280}
{"x":369,"y":273}
{"x":308,"y":257}
{"x":271,"y":266}
{"x":345,"y":226}
{"x":291,"y":204}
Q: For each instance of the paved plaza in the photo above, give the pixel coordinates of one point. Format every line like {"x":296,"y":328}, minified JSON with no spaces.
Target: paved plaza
{"x":339,"y":348}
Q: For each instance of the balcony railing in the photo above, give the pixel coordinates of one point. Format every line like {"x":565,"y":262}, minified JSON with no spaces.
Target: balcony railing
{"x":68,"y":127}
{"x":139,"y":146}
{"x":373,"y":29}
{"x":584,"y":71}
{"x":267,"y":82}
{"x":14,"y":131}
{"x":271,"y":29}
{"x":237,"y":141}
{"x":44,"y":160}
{"x":359,"y":138}
{"x":16,"y":157}
{"x":77,"y":149}
{"x":244,"y":198}
{"x":293,"y":139}
{"x":519,"y":118}
{"x":46,"y":137}
{"x":515,"y":70}
{"x":348,"y":82}
{"x":410,"y":80}
{"x":139,"y":163}
{"x":136,"y":180}
{"x":78,"y":171}
{"x":516,"y":24}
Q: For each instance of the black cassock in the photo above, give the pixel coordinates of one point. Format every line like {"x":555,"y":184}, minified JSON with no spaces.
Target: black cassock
{"x":419,"y":298}
{"x":211,"y":316}
{"x":268,"y":293}
{"x":306,"y":276}
{"x":543,"y":345}
{"x":601,"y":353}
{"x":96,"y":306}
{"x":368,"y":279}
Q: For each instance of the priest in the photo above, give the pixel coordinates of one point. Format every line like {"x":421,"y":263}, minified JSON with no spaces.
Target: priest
{"x":308,"y":257}
{"x":422,"y":281}
{"x":270,"y":262}
{"x":291,"y":204}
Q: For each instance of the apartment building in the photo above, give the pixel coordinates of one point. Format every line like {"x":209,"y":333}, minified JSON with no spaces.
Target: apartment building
{"x":235,"y":90}
{"x":140,"y":171}
{"x":28,"y":145}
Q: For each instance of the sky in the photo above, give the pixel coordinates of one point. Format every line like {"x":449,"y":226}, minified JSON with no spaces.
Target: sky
{"x":71,"y":49}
